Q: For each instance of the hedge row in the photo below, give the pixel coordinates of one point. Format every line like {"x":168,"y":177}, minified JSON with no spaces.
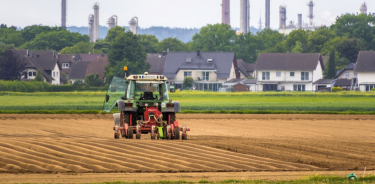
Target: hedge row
{"x":22,"y":86}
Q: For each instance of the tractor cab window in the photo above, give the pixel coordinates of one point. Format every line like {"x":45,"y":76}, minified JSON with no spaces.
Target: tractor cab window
{"x":146,"y":90}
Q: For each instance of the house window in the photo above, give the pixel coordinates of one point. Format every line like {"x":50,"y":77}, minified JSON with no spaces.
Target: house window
{"x":292,"y":74}
{"x":299,"y":87}
{"x":65,"y":65}
{"x":187,"y":74}
{"x":57,"y":74}
{"x":53,"y":74}
{"x":369,"y":87}
{"x":205,"y":76}
{"x":347,"y":74}
{"x":304,"y":75}
{"x":265,"y":75}
{"x":278,"y":74}
{"x":32,"y":74}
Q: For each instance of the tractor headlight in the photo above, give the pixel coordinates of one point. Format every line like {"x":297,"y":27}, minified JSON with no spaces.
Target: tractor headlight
{"x":163,"y":105}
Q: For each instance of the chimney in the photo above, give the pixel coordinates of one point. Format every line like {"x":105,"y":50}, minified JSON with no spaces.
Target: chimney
{"x":163,"y":53}
{"x":27,"y":52}
{"x":198,"y":52}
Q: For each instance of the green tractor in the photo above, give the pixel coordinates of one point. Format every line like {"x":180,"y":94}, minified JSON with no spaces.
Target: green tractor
{"x":145,"y":108}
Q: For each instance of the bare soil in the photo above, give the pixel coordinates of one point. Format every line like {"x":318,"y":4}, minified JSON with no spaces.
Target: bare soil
{"x":81,"y":145}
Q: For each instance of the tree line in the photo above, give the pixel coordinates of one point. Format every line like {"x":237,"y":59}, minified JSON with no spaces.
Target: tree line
{"x":342,"y":40}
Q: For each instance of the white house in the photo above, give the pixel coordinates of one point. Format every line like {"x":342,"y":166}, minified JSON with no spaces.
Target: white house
{"x":288,"y":71}
{"x":209,"y":70}
{"x":365,"y":69}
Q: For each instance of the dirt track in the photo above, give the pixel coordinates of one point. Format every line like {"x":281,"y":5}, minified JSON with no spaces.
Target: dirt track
{"x":85,"y":144}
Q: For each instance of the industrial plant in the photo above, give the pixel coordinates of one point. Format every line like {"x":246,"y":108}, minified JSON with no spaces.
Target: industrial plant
{"x":133,"y":23}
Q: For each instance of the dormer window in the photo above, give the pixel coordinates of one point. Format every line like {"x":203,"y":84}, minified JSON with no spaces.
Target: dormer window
{"x":210,"y":60}
{"x":188,"y":60}
{"x":65,"y":65}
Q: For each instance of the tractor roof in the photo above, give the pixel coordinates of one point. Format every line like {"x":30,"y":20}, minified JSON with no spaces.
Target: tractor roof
{"x":146,"y":77}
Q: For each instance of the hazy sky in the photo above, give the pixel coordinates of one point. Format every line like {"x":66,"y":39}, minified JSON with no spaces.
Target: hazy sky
{"x":168,"y":13}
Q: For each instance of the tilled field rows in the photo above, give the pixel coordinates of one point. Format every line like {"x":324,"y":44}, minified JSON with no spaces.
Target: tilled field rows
{"x":93,"y":155}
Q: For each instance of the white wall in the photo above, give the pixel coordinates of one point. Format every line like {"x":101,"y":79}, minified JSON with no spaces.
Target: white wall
{"x":56,"y":77}
{"x":317,"y":73}
{"x":194,"y":74}
{"x":285,"y":76}
{"x":232,"y":74}
{"x":365,"y":77}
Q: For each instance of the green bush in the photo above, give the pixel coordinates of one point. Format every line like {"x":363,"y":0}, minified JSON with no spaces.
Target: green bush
{"x":35,"y":86}
{"x":336,"y":89}
{"x":373,"y":89}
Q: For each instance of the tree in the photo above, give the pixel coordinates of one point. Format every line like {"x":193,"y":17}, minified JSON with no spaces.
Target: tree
{"x":113,"y":33}
{"x":55,"y":40}
{"x":214,"y":38}
{"x":80,"y":48}
{"x":93,"y":80}
{"x":39,"y":76}
{"x":331,"y":66}
{"x":188,"y":82}
{"x":330,"y":45}
{"x":173,"y":44}
{"x":246,"y":47}
{"x":30,"y":32}
{"x":150,"y":42}
{"x":126,"y":50}
{"x":349,"y":48}
{"x":102,"y":46}
{"x":297,"y":35}
{"x":318,"y":38}
{"x":357,"y":26}
{"x":271,"y":41}
{"x":11,"y":36}
{"x":298,"y":48}
{"x":11,"y":66}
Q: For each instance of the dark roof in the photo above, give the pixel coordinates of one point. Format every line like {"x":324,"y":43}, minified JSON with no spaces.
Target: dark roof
{"x":235,"y":80}
{"x":288,"y":61}
{"x":350,"y":66}
{"x":78,"y":70}
{"x":47,"y":63}
{"x":65,"y":58}
{"x":21,"y":52}
{"x":97,"y":66}
{"x":365,"y":61}
{"x":324,"y":81}
{"x":32,"y":63}
{"x":221,"y":62}
{"x":157,"y":62}
{"x":91,"y":57}
{"x":244,"y":67}
{"x":343,"y":82}
{"x":250,"y":81}
{"x":42,"y":54}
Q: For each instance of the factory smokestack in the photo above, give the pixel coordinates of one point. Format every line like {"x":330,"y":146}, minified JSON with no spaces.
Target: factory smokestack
{"x":363,"y":8}
{"x":225,"y":12}
{"x":134,"y":25}
{"x":91,"y":28}
{"x":268,"y":4}
{"x":112,"y":22}
{"x":244,"y":16}
{"x":282,"y":15}
{"x":311,"y":13}
{"x":63,"y":14}
{"x":96,"y":22}
{"x":299,"y":21}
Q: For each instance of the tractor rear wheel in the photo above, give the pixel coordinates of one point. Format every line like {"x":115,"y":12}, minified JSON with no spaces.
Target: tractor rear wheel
{"x":130,"y":133}
{"x":138,"y":136}
{"x":176,"y":133}
{"x":116,"y":136}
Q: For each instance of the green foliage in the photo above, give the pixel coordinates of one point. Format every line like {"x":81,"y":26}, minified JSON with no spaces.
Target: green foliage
{"x":126,"y":50}
{"x":330,"y":45}
{"x":373,"y":89}
{"x":102,"y":46}
{"x":318,"y":38}
{"x":11,"y":36}
{"x":188,"y":82}
{"x":4,"y":47}
{"x":30,"y":32}
{"x":94,"y":80}
{"x":173,"y":44}
{"x":349,"y":48}
{"x":331,"y":66}
{"x":55,"y":40}
{"x":113,"y":33}
{"x":80,"y":48}
{"x":357,"y":26}
{"x":11,"y":66}
{"x":150,"y":42}
{"x":299,"y":35}
{"x":39,"y":77}
{"x":298,"y":48}
{"x":246,"y":47}
{"x":336,"y":89}
{"x":214,"y":38}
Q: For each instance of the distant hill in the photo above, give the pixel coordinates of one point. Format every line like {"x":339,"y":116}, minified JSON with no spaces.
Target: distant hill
{"x":183,"y":34}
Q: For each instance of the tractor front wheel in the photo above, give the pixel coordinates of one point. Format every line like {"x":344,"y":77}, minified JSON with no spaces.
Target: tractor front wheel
{"x":130,"y":133}
{"x":176,"y":133}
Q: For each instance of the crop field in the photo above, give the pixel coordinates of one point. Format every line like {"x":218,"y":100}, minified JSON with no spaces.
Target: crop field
{"x":200,"y":102}
{"x":81,"y":148}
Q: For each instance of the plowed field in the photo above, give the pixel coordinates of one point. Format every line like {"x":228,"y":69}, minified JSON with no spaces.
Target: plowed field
{"x":217,"y":143}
